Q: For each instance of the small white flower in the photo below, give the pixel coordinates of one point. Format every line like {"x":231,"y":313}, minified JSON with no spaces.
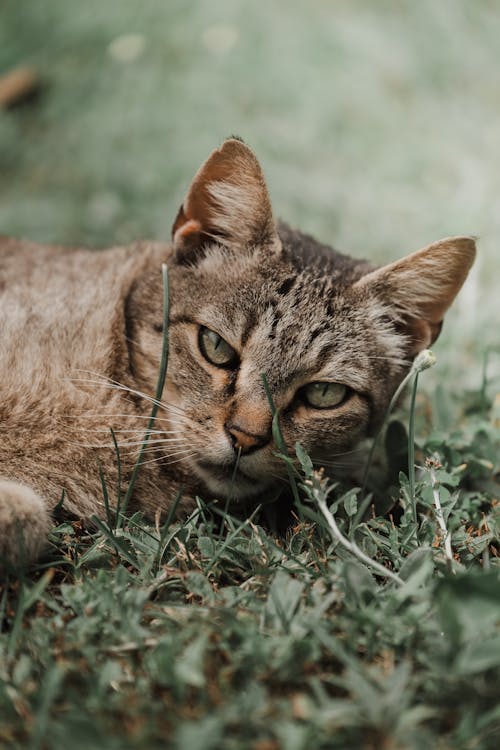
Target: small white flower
{"x":425,"y":359}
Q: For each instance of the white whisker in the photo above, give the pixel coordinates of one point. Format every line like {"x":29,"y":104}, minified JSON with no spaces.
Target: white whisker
{"x":133,"y":444}
{"x":93,"y":415}
{"x":106,"y":382}
{"x":165,"y":460}
{"x":142,"y":431}
{"x":151,"y":442}
{"x":158,"y":443}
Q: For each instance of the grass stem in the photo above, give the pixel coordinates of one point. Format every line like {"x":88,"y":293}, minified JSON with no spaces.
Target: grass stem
{"x":352,"y":547}
{"x":411,"y":450}
{"x":158,"y":393}
{"x":279,"y":441}
{"x":423,"y":361}
{"x":440,"y":518}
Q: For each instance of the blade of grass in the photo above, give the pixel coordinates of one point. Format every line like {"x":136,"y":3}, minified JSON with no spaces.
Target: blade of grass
{"x":423,"y":361}
{"x":230,"y":538}
{"x":283,"y":450}
{"x":49,"y":690}
{"x":119,"y":478}
{"x":27,"y":597}
{"x":411,"y":451}
{"x":117,"y":544}
{"x":158,"y":393}
{"x":105,"y":495}
{"x":278,"y":438}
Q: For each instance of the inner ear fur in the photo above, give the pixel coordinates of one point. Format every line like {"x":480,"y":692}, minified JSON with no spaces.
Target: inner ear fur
{"x":421,"y":287}
{"x":227,"y":202}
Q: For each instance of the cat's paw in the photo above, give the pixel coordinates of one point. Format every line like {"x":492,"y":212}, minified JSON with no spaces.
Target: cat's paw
{"x":24,"y":524}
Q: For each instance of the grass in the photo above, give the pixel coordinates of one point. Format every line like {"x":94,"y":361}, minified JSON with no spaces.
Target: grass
{"x":377,"y":129}
{"x":353,"y":628}
{"x":218,"y":633}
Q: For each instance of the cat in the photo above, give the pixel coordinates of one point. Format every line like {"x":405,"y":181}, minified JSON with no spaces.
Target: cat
{"x":81,"y":338}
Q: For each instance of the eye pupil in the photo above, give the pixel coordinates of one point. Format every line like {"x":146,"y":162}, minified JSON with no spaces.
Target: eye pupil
{"x":215,"y":349}
{"x":324,"y":394}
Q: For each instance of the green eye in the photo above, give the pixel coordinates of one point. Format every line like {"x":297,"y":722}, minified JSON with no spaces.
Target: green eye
{"x":215,"y":349}
{"x":323,"y":395}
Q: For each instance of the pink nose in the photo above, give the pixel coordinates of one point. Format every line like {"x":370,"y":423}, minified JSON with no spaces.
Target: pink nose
{"x":243,"y":441}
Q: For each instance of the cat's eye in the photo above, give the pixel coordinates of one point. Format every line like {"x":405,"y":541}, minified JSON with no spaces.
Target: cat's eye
{"x":324,"y":395}
{"x":215,"y":349}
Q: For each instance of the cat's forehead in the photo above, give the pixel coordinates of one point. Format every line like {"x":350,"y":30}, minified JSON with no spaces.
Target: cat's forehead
{"x":287,"y":320}
{"x":274,"y":291}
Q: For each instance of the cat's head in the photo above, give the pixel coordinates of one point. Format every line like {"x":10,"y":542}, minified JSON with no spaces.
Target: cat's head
{"x":333,"y":336}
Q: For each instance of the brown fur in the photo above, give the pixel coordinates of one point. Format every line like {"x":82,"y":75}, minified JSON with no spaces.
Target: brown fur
{"x":80,"y":337}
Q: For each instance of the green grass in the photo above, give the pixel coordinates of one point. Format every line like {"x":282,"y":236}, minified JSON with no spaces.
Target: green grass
{"x":377,"y":126}
{"x":218,"y":633}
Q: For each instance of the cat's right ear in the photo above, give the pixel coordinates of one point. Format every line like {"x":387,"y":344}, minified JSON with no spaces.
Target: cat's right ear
{"x":227,"y":202}
{"x":421,"y":287}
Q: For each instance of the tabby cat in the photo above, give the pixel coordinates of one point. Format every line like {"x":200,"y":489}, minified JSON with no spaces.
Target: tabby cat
{"x":81,"y":337}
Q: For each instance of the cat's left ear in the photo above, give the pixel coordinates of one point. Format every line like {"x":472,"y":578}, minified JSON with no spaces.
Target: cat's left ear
{"x":227,"y":202}
{"x":421,"y":287}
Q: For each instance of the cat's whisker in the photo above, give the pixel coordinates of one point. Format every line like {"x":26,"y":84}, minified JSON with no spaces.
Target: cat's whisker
{"x":157,"y":450}
{"x":114,"y":384}
{"x":126,"y":389}
{"x":165,"y":459}
{"x":145,"y":441}
{"x":127,"y":434}
{"x":156,"y":445}
{"x":131,"y":443}
{"x":112,"y":446}
{"x":172,"y":450}
{"x":107,"y":431}
{"x":93,"y":415}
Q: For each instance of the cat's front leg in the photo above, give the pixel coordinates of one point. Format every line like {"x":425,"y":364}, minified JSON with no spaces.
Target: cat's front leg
{"x":24,"y":523}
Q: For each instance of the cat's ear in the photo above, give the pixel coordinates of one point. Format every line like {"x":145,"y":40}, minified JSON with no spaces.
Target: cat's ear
{"x":227,"y":202}
{"x":420,"y":288}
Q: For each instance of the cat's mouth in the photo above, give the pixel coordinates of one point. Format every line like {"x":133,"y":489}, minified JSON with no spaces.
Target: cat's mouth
{"x":224,"y":471}
{"x":229,"y":479}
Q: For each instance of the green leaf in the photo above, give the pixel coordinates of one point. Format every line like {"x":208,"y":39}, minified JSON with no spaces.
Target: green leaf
{"x":305,"y":461}
{"x":417,"y":563}
{"x":204,"y":734}
{"x":360,"y":583}
{"x":206,"y":546}
{"x":476,"y":656}
{"x":350,"y":501}
{"x":469,"y":606}
{"x":189,"y":666}
{"x":284,"y":596}
{"x":200,"y":586}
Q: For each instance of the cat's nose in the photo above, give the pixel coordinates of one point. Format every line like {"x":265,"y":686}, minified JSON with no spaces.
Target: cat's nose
{"x":243,"y":441}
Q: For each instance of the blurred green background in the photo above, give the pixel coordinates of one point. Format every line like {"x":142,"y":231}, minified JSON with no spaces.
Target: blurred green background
{"x":377,"y":124}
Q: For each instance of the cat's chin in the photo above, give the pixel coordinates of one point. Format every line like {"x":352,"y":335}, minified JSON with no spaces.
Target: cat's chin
{"x":223,"y":482}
